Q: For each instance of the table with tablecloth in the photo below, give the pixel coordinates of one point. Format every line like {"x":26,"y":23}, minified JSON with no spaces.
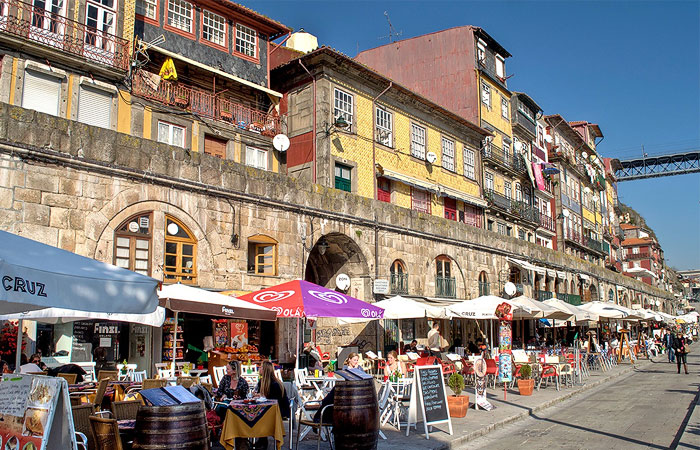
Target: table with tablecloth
{"x":249,"y":420}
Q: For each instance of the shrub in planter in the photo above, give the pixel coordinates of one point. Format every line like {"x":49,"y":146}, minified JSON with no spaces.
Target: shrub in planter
{"x":458,"y":404}
{"x":525,"y":383}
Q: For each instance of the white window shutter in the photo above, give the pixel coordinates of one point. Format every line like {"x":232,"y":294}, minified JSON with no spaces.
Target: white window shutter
{"x":94,"y":107}
{"x":41,"y":92}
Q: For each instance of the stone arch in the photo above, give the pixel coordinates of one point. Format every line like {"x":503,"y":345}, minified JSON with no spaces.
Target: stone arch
{"x":572,"y":287}
{"x":593,"y":292}
{"x":335,"y":253}
{"x":431,"y":276}
{"x":611,"y":296}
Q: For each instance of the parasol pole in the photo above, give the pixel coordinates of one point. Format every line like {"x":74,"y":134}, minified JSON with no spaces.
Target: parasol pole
{"x":296,"y":351}
{"x":18,"y":353}
{"x":172,"y":367}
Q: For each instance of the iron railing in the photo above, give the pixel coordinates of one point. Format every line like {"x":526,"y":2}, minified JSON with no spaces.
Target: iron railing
{"x":514,"y":207}
{"x":547,"y":222}
{"x":399,"y":283}
{"x":484,"y":288}
{"x":594,"y":244}
{"x":497,"y":155}
{"x":572,"y":299}
{"x":640,"y":255}
{"x":205,"y":104}
{"x":544,"y":295}
{"x":574,"y":236}
{"x":50,"y":29}
{"x":445,"y":287}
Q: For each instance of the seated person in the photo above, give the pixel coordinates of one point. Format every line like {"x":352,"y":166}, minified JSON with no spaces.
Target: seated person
{"x":231,"y":387}
{"x":272,"y":389}
{"x":69,"y":368}
{"x":4,"y":367}
{"x":353,"y":362}
{"x":472,"y":348}
{"x":412,"y":347}
{"x":314,"y":358}
{"x":393,"y":365}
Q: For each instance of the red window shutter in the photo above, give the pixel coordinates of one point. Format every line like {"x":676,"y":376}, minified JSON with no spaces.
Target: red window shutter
{"x":214,"y":146}
{"x":450,"y":208}
{"x":384,"y":190}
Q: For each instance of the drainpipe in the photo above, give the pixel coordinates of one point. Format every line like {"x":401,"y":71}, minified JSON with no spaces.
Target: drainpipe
{"x":313,"y":79}
{"x":374,"y":138}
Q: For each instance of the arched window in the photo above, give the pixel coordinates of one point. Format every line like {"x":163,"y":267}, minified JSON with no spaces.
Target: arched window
{"x":518,"y":192}
{"x":445,"y":285}
{"x":611,"y":296}
{"x":399,"y":278}
{"x":484,"y":287}
{"x":262,"y":255}
{"x":132,"y":244}
{"x":572,"y":289}
{"x":180,"y":253}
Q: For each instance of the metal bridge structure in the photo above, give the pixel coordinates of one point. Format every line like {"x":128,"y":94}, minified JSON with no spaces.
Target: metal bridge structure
{"x":658,"y":166}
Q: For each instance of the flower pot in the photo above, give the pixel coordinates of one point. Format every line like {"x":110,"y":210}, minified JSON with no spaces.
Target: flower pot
{"x":226,"y":115}
{"x":458,"y":405}
{"x":526,"y":386}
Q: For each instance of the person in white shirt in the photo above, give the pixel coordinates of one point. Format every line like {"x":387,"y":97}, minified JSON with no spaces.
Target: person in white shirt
{"x":434,"y":339}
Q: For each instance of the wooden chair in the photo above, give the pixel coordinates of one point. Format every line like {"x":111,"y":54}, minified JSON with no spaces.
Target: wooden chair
{"x":187,"y":382}
{"x":150,"y":383}
{"x":100,"y":393}
{"x":81,"y":421}
{"x":108,"y":374}
{"x":126,"y":410}
{"x":106,"y":433}
{"x":205,"y":379}
{"x":219,"y":372}
{"x":139,"y":376}
{"x":70,"y":377}
{"x":208,"y":386}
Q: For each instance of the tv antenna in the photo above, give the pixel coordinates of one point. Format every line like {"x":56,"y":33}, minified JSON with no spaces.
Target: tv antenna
{"x":392,"y":32}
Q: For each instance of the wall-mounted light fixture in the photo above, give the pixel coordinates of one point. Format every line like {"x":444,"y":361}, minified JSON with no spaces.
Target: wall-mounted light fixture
{"x":339,"y":124}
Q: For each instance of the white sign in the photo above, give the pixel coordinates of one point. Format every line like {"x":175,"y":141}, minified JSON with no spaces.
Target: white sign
{"x":14,"y":393}
{"x":381,"y":286}
{"x":105,"y":342}
{"x":342,"y":281}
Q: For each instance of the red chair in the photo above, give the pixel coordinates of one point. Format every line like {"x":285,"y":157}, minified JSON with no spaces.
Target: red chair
{"x":468,"y":371}
{"x":448,"y":368}
{"x":492,"y":370}
{"x":427,"y":361}
{"x":548,"y":371}
{"x":325,"y":356}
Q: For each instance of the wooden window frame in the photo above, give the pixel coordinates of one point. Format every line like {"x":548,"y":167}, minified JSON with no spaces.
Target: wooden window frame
{"x":132,"y":239}
{"x":414,"y":201}
{"x":383,"y":195}
{"x":259,"y":241}
{"x":180,"y":274}
{"x":445,"y":159}
{"x":172,"y":125}
{"x":415,"y":151}
{"x":166,"y":21}
{"x":338,"y":112}
{"x":387,"y":125}
{"x":256,"y":57}
{"x":205,"y":41}
{"x":150,"y":20}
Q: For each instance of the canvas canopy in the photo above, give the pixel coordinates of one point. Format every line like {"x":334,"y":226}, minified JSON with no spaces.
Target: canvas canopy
{"x":539,"y":310}
{"x":483,"y":307}
{"x":182,"y":298}
{"x":580,"y":315}
{"x":60,"y":315}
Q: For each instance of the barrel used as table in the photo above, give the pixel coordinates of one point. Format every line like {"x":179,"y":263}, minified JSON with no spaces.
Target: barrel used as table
{"x":355,"y":415}
{"x":171,"y":427}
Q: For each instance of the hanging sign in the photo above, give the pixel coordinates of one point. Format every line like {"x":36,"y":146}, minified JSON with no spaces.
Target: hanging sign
{"x":428,"y":399}
{"x":35,"y":413}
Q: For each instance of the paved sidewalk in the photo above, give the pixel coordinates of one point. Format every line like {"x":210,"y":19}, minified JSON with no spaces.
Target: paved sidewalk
{"x":479,"y":423}
{"x":691,"y":434}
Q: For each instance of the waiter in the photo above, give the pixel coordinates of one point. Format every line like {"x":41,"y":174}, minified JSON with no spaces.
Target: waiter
{"x":434,"y":339}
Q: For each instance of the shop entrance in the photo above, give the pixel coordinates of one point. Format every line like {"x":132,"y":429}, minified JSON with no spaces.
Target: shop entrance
{"x":334,"y":254}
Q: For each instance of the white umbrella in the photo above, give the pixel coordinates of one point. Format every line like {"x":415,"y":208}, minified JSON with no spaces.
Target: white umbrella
{"x":399,"y":307}
{"x":604,"y":309}
{"x":540,"y":310}
{"x":483,"y":307}
{"x":580,"y":315}
{"x":60,"y":315}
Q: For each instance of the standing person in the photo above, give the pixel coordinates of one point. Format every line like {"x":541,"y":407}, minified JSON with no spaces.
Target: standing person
{"x":434,"y":339}
{"x":272,"y":389}
{"x":668,"y":343}
{"x":680,"y":345}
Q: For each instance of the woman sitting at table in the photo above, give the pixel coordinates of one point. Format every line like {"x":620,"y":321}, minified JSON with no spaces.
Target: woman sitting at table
{"x":272,"y":389}
{"x":392,"y":365}
{"x":352,"y":362}
{"x":231,"y":387}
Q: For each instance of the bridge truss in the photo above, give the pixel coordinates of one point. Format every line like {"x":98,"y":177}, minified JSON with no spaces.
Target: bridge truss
{"x":658,"y":166}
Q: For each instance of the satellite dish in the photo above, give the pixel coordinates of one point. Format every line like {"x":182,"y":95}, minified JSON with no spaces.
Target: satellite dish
{"x":431,"y":157}
{"x":518,"y":145}
{"x":548,"y":138}
{"x":342,"y":282}
{"x":280,"y":142}
{"x":565,"y":212}
{"x":584,"y":154}
{"x":510,"y":288}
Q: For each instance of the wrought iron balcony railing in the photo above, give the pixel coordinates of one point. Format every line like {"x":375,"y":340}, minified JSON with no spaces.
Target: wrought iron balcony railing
{"x":399,"y":283}
{"x":544,"y":295}
{"x":573,"y":236}
{"x":484,"y":288}
{"x":514,"y":207}
{"x":572,"y":299}
{"x":547,"y":223}
{"x":509,"y":161}
{"x":640,"y":255}
{"x":594,"y":244}
{"x":205,"y":104}
{"x":49,"y":29}
{"x":445,"y":287}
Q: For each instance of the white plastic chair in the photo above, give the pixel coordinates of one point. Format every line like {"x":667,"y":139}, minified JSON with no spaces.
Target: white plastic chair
{"x":205,"y":379}
{"x":278,"y":374}
{"x":249,"y":369}
{"x":219,"y":372}
{"x":165,"y":373}
{"x":138,"y":376}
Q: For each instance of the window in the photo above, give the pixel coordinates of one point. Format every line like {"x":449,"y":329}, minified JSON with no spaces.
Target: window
{"x":147,"y":8}
{"x":506,"y":149}
{"x":343,"y":180}
{"x":399,"y":278}
{"x":417,"y":141}
{"x":213,"y":28}
{"x":611,"y":296}
{"x":262,"y":255}
{"x":171,"y":134}
{"x":94,"y":107}
{"x":132,"y":244}
{"x":525,"y":111}
{"x":46,"y":18}
{"x":521,"y":234}
{"x":448,"y":154}
{"x":246,"y":41}
{"x":468,"y":155}
{"x":443,"y":266}
{"x":507,"y":189}
{"x":41,"y":92}
{"x":420,"y":200}
{"x":504,"y":107}
{"x":488,"y":180}
{"x":486,"y":95}
{"x":500,"y":67}
{"x":518,"y":192}
{"x":100,"y":20}
{"x":384,"y":126}
{"x":472,"y":216}
{"x":483,"y":284}
{"x":481,"y":51}
{"x":540,"y":136}
{"x":180,"y":15}
{"x":489,"y":225}
{"x":256,"y":157}
{"x":509,"y":231}
{"x":383,"y":190}
{"x":502,"y":228}
{"x":343,"y":106}
{"x":180,"y":253}
{"x":215,"y":146}
{"x":635,"y":250}
{"x":450,"y":208}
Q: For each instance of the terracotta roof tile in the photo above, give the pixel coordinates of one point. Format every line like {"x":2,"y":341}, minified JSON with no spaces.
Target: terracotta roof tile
{"x":628,"y":226}
{"x":636,"y":241}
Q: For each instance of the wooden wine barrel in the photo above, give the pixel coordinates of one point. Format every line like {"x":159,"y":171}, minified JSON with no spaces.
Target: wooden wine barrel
{"x":355,"y":415}
{"x":171,"y":427}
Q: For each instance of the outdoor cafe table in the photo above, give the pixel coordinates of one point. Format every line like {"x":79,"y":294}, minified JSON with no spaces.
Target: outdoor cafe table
{"x":249,"y":420}
{"x":323,"y":385}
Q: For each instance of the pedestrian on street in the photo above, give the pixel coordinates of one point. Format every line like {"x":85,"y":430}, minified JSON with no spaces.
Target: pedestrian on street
{"x":434,"y":339}
{"x":680,"y":345}
{"x":668,"y":343}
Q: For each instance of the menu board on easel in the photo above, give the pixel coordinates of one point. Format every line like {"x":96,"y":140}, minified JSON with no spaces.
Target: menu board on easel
{"x":428,"y":399}
{"x":35,"y":413}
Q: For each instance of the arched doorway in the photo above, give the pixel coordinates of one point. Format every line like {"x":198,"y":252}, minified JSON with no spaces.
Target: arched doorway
{"x":593,"y":293}
{"x":336,"y":253}
{"x":483,"y":284}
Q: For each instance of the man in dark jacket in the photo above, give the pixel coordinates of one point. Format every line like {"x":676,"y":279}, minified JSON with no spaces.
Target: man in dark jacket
{"x":680,"y":345}
{"x":668,"y":343}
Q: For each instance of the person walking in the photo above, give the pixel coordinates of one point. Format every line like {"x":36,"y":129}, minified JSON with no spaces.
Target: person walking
{"x":668,"y":343}
{"x":434,"y":339}
{"x":680,"y":345}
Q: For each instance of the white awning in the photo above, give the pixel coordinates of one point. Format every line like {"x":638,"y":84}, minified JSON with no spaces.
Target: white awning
{"x":415,"y":182}
{"x":561,"y":274}
{"x":457,"y":195}
{"x":218,"y":72}
{"x":583,"y":276}
{"x":526,"y":265}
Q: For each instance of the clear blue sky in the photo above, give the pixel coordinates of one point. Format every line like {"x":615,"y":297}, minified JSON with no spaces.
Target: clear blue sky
{"x":633,"y":67}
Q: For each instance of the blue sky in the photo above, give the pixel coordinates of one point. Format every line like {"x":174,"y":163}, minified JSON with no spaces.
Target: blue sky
{"x":633,"y":67}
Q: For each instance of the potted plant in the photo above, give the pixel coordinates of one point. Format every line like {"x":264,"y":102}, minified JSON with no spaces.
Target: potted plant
{"x":124,"y":369}
{"x":181,"y":99}
{"x":457,"y":403}
{"x":525,"y":383}
{"x":226,"y":111}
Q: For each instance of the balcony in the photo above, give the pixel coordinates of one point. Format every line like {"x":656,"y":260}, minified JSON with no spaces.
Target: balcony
{"x":544,"y":295}
{"x":641,"y":255}
{"x":571,"y":299}
{"x":399,"y":283}
{"x":594,"y":245}
{"x":496,"y":155}
{"x":55,"y":32}
{"x":512,"y":207}
{"x":445,"y":287}
{"x":574,"y":236}
{"x":547,"y":223}
{"x":484,"y":288}
{"x":205,"y":104}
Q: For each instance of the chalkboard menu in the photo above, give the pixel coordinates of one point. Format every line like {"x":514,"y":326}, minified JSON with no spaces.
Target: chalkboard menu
{"x":432,"y":392}
{"x":83,"y":331}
